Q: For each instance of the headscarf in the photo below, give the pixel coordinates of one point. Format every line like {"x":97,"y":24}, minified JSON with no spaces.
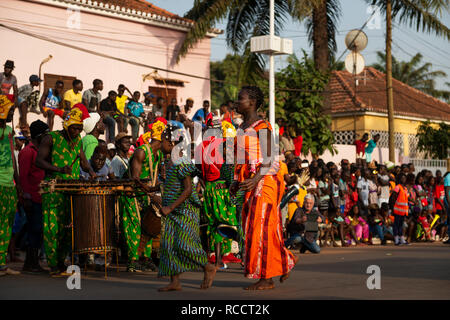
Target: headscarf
{"x":90,"y":123}
{"x":228,"y":130}
{"x":6,"y":103}
{"x":157,"y":128}
{"x":75,"y":116}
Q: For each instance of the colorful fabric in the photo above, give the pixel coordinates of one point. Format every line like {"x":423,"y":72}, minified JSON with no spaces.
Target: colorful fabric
{"x":8,"y":208}
{"x":158,"y":127}
{"x":265,"y":254}
{"x":181,"y":248}
{"x":63,"y":154}
{"x":75,"y":116}
{"x":131,"y":225}
{"x":6,"y":102}
{"x":130,"y":217}
{"x":218,"y":210}
{"x":135,"y":108}
{"x":6,"y":163}
{"x":56,"y":218}
{"x":52,"y":101}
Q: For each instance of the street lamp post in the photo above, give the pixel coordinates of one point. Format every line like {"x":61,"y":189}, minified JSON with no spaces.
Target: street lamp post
{"x":272,"y":46}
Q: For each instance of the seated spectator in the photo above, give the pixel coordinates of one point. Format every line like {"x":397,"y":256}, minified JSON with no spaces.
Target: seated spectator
{"x":51,"y":103}
{"x":24,"y":92}
{"x":108,"y":109}
{"x":377,"y":225}
{"x":304,"y":227}
{"x":136,"y":114}
{"x":358,"y":225}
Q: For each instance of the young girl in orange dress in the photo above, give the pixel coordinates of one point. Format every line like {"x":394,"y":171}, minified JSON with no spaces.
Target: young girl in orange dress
{"x":257,"y":173}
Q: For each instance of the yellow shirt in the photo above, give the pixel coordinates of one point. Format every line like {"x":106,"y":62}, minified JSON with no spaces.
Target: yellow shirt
{"x":72,"y":97}
{"x":121,"y":102}
{"x":296,"y":202}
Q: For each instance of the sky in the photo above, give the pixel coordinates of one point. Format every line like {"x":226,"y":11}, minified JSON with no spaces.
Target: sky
{"x":406,"y":41}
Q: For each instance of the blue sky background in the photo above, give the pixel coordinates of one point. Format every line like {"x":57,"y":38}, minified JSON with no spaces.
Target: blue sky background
{"x":406,"y":41}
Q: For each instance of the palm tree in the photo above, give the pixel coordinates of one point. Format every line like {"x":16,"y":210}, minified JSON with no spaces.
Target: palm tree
{"x":424,"y":14}
{"x":249,"y":18}
{"x":414,"y":73}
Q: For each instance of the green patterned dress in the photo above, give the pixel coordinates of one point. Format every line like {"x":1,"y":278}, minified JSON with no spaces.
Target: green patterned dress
{"x":131,"y":224}
{"x":181,"y":248}
{"x":55,"y":208}
{"x":219,"y":209}
{"x":8,"y":194}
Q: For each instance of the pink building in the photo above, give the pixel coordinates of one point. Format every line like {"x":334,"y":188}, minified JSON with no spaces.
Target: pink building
{"x":117,"y":41}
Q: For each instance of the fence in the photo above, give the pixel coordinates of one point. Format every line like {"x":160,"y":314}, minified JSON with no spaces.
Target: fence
{"x":432,"y":165}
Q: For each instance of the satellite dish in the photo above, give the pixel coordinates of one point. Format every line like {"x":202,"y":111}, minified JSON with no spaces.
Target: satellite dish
{"x":359,"y":39}
{"x":354,"y":63}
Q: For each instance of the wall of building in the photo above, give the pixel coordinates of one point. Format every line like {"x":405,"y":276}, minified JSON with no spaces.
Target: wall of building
{"x":133,"y":41}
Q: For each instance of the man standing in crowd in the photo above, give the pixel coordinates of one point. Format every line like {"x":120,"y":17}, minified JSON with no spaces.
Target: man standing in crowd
{"x":304,"y":226}
{"x":92,"y":97}
{"x":159,"y":109}
{"x":23,"y":93}
{"x":173,"y":110}
{"x":60,"y":155}
{"x":50,"y":103}
{"x":93,"y":127}
{"x":187,"y":107}
{"x":360,"y":149}
{"x":108,"y":110}
{"x":136,"y":112}
{"x":371,"y":145}
{"x":202,"y":114}
{"x":73,"y":96}
{"x":121,"y":115}
{"x":120,"y":163}
{"x":8,"y":193}
{"x":8,"y":81}
{"x":30,"y":178}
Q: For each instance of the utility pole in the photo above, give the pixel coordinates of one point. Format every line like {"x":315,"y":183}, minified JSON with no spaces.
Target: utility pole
{"x":389,"y":89}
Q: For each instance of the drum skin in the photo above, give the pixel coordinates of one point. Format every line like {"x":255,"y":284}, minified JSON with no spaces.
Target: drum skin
{"x":93,"y":221}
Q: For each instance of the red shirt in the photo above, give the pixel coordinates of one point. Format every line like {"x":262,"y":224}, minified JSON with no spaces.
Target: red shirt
{"x":360,"y":146}
{"x":298,"y":143}
{"x":30,"y":176}
{"x":439,"y":193}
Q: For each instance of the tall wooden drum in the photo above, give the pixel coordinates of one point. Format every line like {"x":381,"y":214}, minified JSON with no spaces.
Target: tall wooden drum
{"x":94,"y":221}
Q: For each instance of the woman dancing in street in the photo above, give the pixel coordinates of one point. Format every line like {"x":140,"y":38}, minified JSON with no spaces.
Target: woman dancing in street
{"x":259,"y":176}
{"x":181,"y":248}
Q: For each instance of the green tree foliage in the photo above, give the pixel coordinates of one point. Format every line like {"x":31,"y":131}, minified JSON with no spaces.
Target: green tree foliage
{"x":301,"y":108}
{"x":434,"y":142}
{"x":414,"y":73}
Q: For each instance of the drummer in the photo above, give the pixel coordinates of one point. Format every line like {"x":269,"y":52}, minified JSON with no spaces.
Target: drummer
{"x":143,"y":165}
{"x":60,"y":154}
{"x":98,"y":164}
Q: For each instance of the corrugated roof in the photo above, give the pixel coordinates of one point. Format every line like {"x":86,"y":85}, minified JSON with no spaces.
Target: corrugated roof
{"x":370,"y":95}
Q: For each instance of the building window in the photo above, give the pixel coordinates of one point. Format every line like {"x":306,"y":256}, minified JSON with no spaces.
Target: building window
{"x":344,"y":137}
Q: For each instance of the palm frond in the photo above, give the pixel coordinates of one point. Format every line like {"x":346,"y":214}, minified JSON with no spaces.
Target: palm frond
{"x":205,"y":13}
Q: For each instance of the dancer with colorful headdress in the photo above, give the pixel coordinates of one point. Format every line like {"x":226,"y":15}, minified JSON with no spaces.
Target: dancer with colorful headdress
{"x":61,"y":155}
{"x":144,"y":164}
{"x":219,"y":209}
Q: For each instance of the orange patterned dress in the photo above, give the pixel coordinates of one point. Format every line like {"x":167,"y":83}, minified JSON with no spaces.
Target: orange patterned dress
{"x":265,"y":254}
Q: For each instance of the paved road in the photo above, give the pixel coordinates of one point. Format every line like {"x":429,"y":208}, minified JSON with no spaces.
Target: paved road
{"x":419,"y":271}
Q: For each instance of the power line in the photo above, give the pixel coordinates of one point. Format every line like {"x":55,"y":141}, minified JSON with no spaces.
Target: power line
{"x":104,"y":55}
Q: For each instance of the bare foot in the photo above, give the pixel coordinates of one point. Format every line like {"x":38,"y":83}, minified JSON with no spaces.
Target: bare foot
{"x":263,"y":284}
{"x":210,"y":272}
{"x":171,"y":287}
{"x":284,"y":277}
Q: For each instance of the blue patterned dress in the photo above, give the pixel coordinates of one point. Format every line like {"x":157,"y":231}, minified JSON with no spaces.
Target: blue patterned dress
{"x":181,"y":249}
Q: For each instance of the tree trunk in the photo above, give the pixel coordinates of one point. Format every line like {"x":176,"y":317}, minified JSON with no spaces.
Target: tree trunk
{"x":389,"y":89}
{"x":320,"y":37}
